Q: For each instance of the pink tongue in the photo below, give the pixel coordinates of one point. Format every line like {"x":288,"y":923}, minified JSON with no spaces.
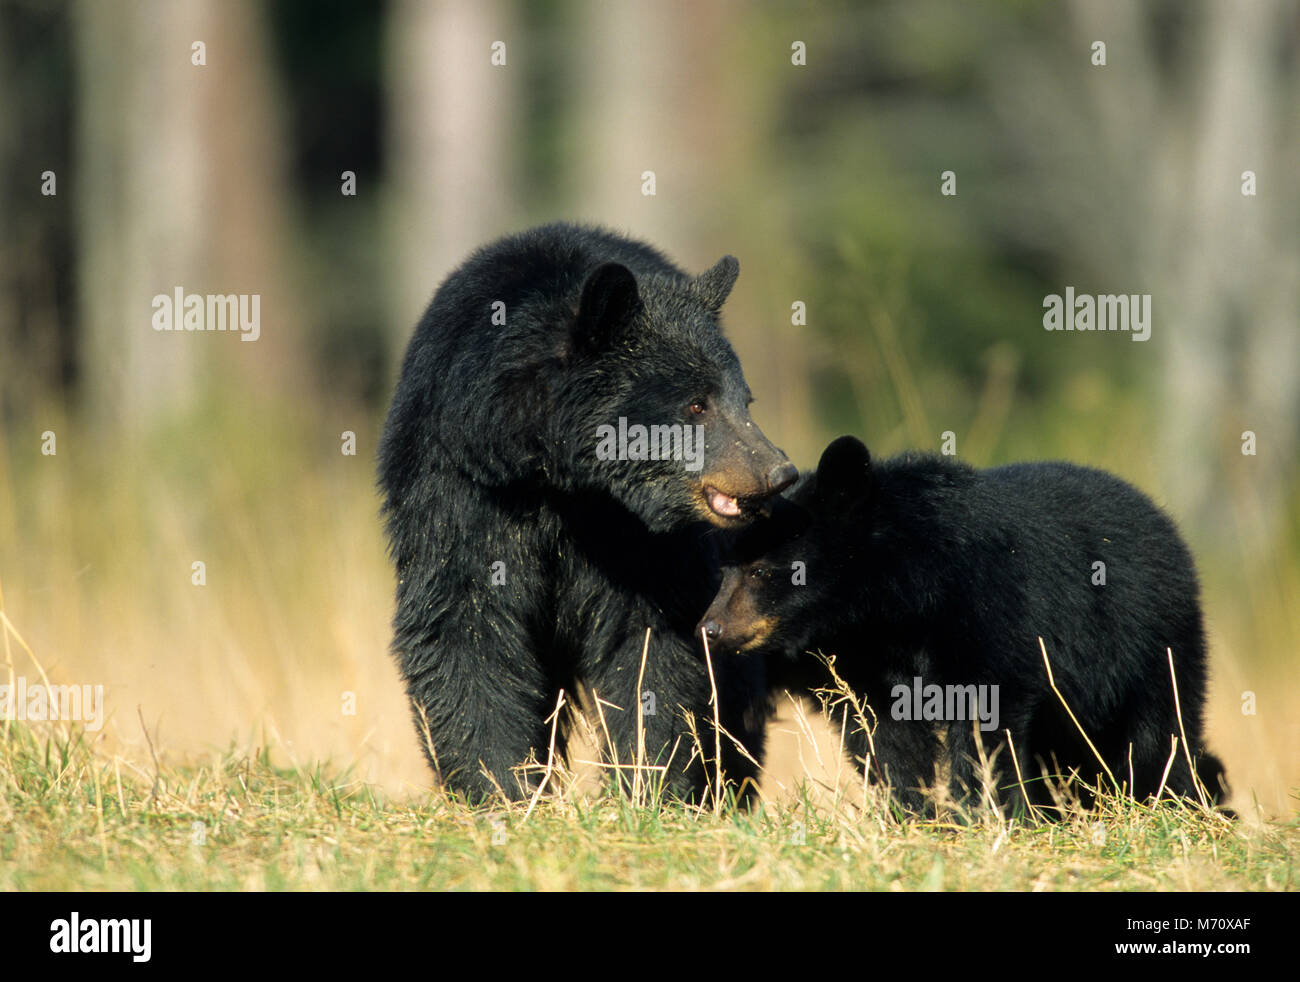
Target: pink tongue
{"x":723,"y":504}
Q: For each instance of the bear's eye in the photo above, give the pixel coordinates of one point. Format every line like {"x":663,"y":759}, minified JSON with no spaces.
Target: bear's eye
{"x":757,"y":573}
{"x":698,"y":407}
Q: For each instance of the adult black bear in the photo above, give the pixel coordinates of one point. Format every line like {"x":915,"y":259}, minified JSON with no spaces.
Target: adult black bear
{"x":569,"y":424}
{"x":931,"y":582}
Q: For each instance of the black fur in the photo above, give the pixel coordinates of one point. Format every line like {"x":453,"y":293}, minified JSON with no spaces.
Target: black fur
{"x":488,"y":456}
{"x":924,"y":566}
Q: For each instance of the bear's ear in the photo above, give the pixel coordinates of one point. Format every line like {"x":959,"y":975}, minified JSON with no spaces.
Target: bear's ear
{"x":609,"y":302}
{"x":715,"y":284}
{"x":844,"y":478}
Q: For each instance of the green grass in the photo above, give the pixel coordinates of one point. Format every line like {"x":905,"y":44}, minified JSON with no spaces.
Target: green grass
{"x":74,"y":818}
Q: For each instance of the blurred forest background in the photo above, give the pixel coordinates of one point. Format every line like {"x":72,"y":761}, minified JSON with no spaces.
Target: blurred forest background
{"x":923,"y":311}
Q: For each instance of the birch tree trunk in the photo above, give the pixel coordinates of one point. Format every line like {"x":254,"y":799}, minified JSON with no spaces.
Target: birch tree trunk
{"x":179,"y":184}
{"x":454,"y":140}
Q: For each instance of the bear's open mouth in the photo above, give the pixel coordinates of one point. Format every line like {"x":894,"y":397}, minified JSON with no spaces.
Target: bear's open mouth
{"x":721,"y":504}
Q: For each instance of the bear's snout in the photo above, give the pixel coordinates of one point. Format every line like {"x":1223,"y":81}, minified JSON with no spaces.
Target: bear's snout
{"x":781,"y":477}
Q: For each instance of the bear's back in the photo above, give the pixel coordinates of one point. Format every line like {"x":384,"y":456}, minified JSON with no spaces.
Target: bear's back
{"x":1043,"y":521}
{"x":1063,"y":493}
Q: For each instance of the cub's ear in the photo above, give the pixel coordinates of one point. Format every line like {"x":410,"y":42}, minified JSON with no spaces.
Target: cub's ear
{"x":844,"y":478}
{"x":715,"y":284}
{"x":609,"y":302}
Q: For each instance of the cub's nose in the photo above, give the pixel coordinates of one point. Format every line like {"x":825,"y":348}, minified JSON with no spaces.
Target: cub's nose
{"x":781,"y":477}
{"x":712,"y":630}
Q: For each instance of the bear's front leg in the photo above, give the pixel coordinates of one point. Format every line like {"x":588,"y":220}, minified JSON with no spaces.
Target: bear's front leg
{"x":658,"y":738}
{"x":901,"y":754}
{"x":479,"y":693}
{"x":1014,"y":767}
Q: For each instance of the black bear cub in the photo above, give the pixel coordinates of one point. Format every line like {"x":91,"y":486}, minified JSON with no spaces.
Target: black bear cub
{"x":932,"y":582}
{"x":569,"y":424}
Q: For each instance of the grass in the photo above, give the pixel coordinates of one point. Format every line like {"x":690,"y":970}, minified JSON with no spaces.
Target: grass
{"x":76,"y":818}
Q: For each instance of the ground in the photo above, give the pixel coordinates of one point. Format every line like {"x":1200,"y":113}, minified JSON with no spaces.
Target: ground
{"x":72,"y":817}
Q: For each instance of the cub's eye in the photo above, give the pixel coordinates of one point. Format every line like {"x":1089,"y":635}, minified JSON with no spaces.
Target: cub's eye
{"x":698,"y":407}
{"x":757,"y":573}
